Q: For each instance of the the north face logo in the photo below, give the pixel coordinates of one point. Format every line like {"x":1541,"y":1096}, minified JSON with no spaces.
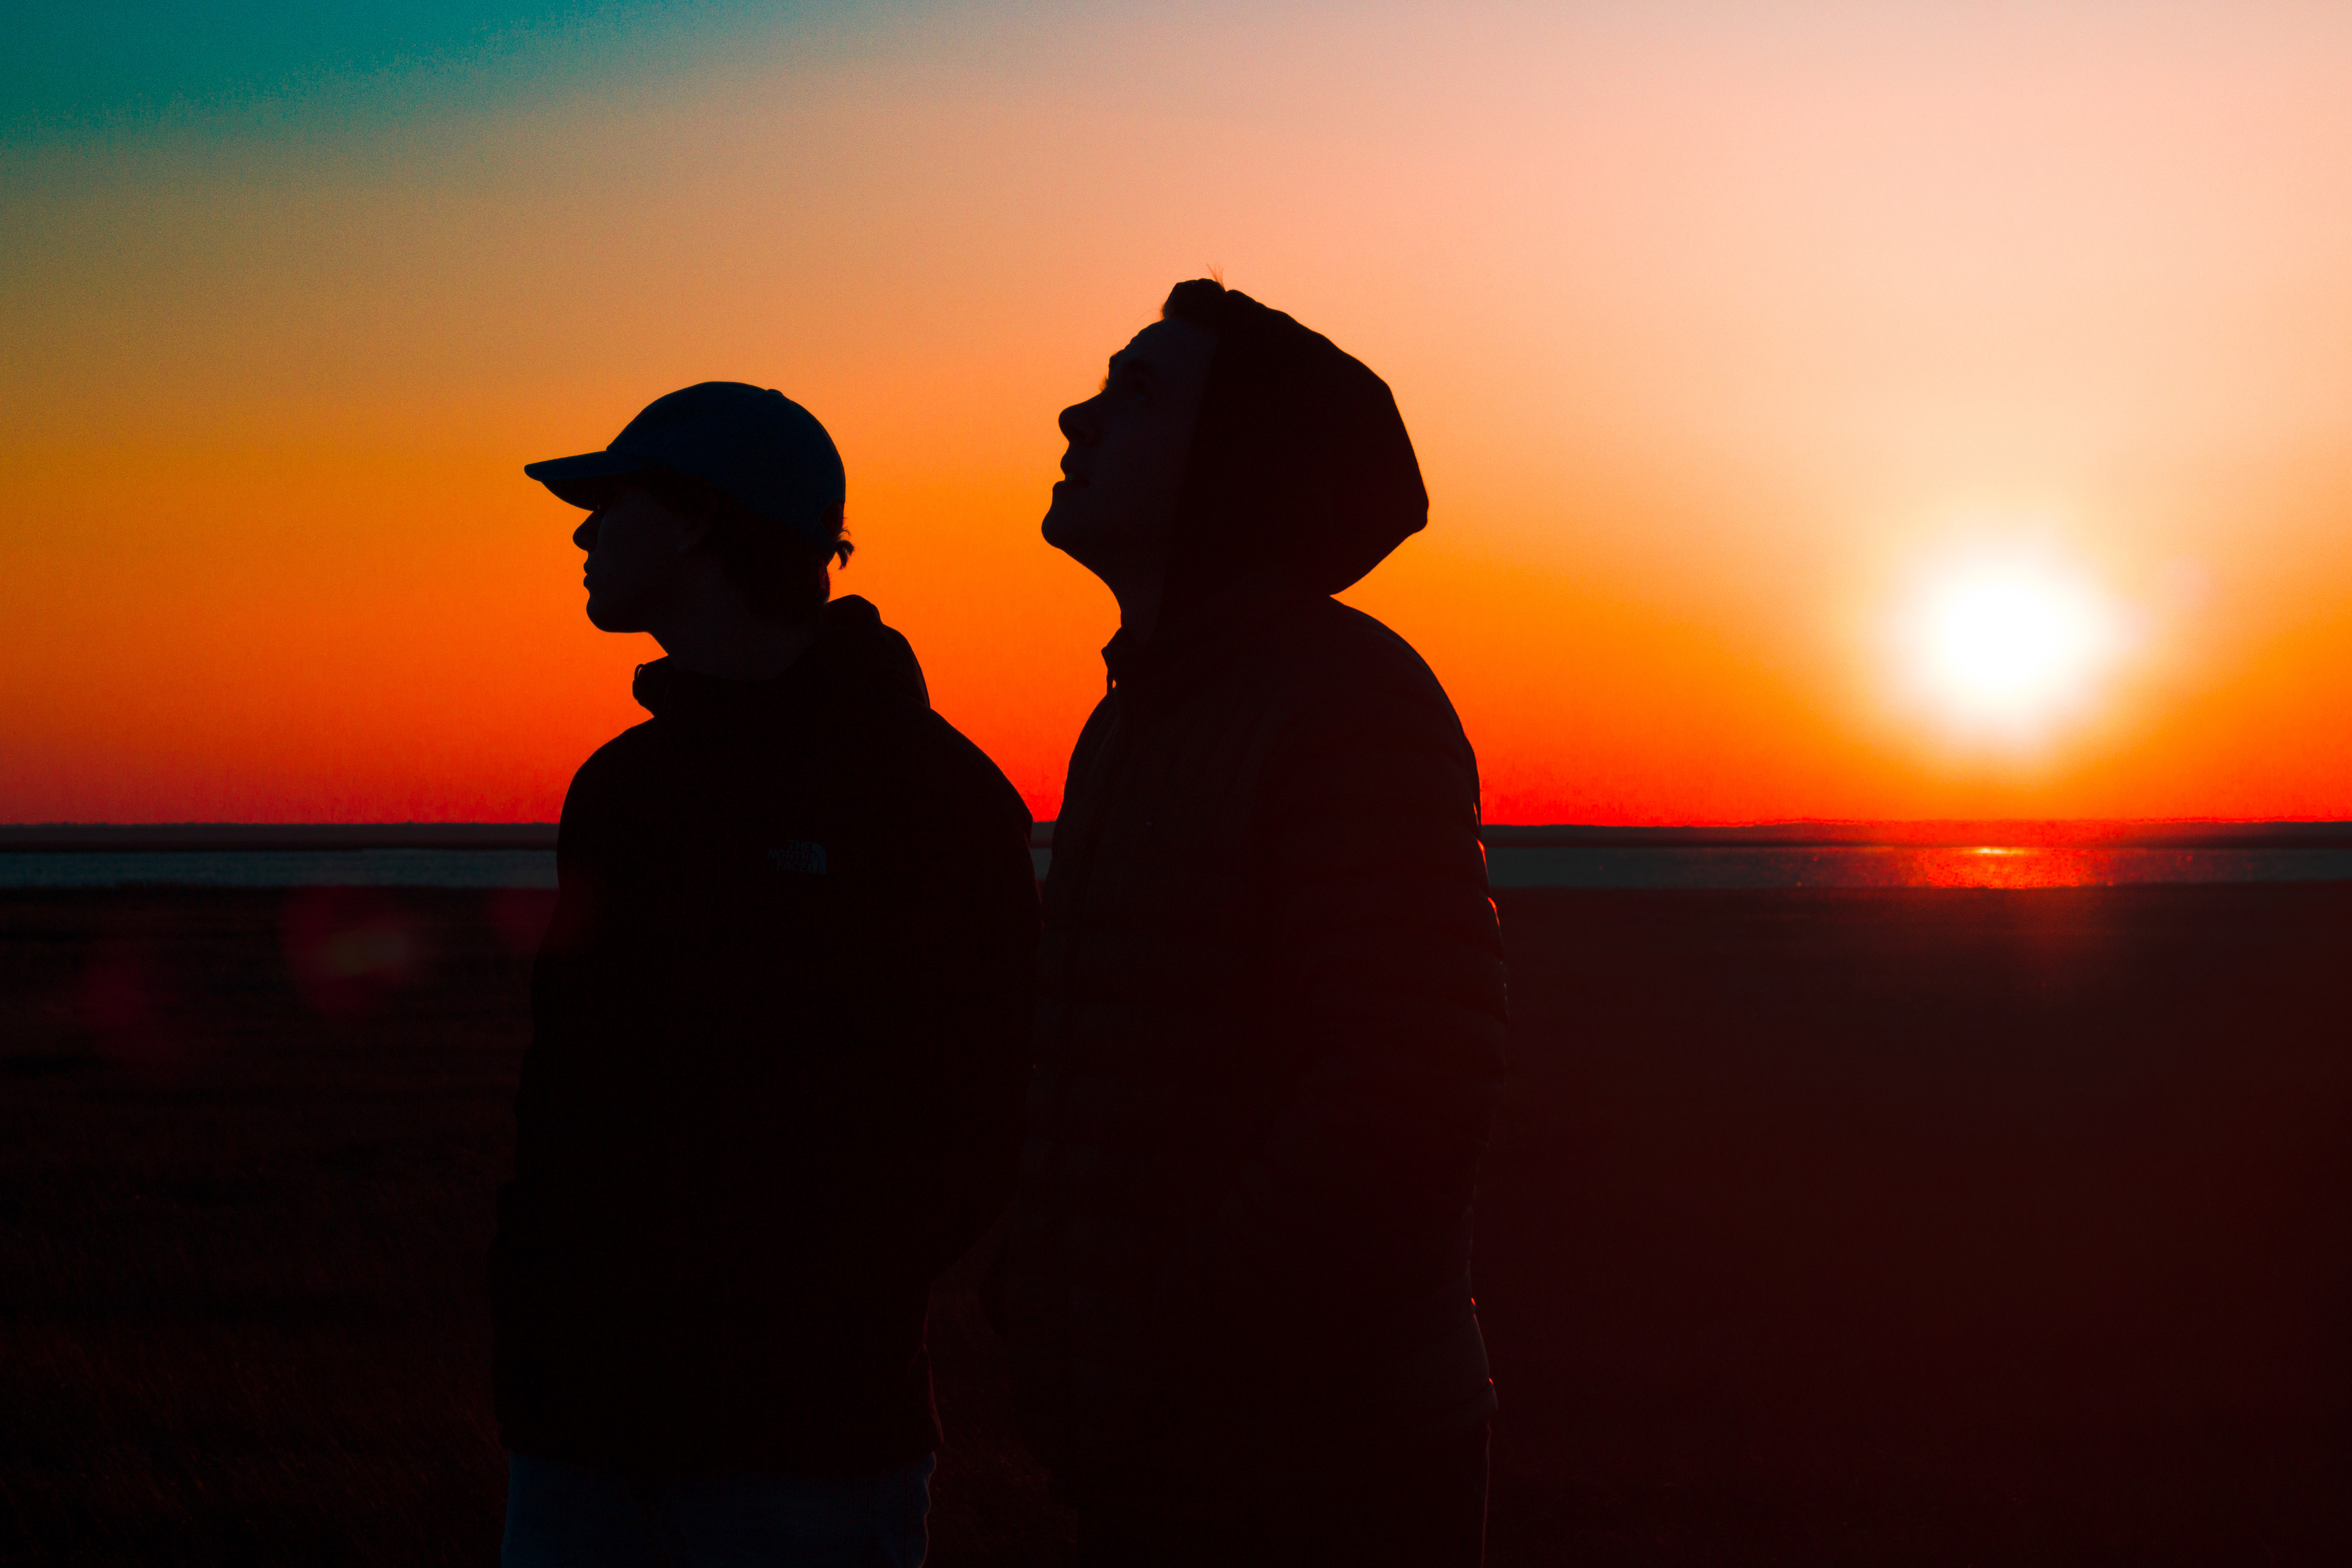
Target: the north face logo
{"x":799,"y":855}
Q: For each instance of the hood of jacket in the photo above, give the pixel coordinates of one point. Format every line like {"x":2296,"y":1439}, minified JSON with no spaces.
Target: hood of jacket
{"x":1299,"y":461}
{"x":854,"y":657}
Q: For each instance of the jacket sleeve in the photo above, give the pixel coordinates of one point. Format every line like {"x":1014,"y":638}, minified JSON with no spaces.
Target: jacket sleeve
{"x":559,"y":992}
{"x":1353,"y":1203}
{"x":951,"y":1016}
{"x":530,"y":1261}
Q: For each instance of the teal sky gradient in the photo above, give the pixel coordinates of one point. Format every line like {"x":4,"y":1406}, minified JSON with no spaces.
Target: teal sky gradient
{"x":113,"y":67}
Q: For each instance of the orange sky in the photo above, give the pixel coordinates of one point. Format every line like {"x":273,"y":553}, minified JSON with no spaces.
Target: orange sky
{"x":1715,"y":326}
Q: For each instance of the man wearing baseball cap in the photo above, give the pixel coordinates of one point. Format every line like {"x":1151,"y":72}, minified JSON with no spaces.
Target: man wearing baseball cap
{"x":779,"y":1034}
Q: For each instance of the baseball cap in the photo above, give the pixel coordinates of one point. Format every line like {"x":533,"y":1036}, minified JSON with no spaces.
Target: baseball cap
{"x":753,"y":443}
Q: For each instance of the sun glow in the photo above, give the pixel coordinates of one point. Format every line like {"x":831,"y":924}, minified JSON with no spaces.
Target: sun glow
{"x":2011,"y":644}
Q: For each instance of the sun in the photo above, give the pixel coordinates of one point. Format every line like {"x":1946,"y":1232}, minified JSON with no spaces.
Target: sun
{"x":2011,"y":644}
{"x":2007,"y":641}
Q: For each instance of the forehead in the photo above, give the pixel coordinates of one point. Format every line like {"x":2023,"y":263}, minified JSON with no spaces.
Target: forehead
{"x":1165,"y":346}
{"x":611,"y":489}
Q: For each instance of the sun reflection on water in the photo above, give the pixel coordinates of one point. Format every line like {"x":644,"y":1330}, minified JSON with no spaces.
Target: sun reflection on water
{"x":2006,"y":866}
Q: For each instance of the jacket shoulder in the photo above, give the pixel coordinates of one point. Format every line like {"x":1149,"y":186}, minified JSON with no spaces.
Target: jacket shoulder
{"x":939,"y":764}
{"x":1347,"y":655}
{"x":608,"y":768}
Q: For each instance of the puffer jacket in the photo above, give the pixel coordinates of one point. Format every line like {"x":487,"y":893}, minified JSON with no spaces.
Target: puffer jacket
{"x":1270,"y":1043}
{"x":1270,"y":990}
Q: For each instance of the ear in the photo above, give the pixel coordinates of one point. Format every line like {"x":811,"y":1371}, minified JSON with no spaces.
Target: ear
{"x":686,"y":532}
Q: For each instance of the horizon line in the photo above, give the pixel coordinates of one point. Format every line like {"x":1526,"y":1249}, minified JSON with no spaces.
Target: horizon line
{"x":1906,"y":833}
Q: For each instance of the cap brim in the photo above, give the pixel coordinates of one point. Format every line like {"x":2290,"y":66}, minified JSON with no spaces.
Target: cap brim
{"x":573,"y":479}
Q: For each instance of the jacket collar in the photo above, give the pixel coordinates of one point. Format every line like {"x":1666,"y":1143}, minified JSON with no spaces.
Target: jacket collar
{"x":683,"y":696}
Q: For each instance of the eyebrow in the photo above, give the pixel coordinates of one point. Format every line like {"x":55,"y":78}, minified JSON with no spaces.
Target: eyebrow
{"x":1127,"y":359}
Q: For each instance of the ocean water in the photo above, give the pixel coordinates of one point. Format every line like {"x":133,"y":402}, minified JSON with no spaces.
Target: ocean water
{"x":1508,"y":865}
{"x":1857,"y":865}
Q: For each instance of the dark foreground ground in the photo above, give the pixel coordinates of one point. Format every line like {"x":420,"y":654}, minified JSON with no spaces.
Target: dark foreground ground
{"x":1914,"y":1227}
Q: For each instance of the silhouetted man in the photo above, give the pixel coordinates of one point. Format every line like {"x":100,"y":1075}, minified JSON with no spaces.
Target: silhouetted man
{"x":1236,"y":1280}
{"x":781,"y":1030}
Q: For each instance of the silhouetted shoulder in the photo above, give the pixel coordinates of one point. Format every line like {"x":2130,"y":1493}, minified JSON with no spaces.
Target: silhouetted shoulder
{"x":942,"y":774}
{"x":628,"y":749}
{"x":932,"y":771}
{"x":608,"y":770}
{"x":1347,"y":656}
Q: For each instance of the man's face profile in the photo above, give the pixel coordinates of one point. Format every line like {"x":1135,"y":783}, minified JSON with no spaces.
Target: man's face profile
{"x":1128,"y":444}
{"x":636,"y":547}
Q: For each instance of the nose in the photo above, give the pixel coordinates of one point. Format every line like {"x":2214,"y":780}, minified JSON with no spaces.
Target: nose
{"x":584,"y":536}
{"x":1077,"y":422}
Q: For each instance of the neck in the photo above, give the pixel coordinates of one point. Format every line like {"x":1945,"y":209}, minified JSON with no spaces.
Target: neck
{"x":716,"y":635}
{"x":1139,"y":587}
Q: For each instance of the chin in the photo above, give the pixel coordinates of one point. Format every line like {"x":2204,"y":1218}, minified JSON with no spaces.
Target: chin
{"x":610,"y":618}
{"x":1065,"y":527}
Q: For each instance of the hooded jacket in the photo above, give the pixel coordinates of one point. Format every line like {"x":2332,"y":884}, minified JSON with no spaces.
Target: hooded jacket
{"x":780,"y":1030}
{"x":1271,"y":1003}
